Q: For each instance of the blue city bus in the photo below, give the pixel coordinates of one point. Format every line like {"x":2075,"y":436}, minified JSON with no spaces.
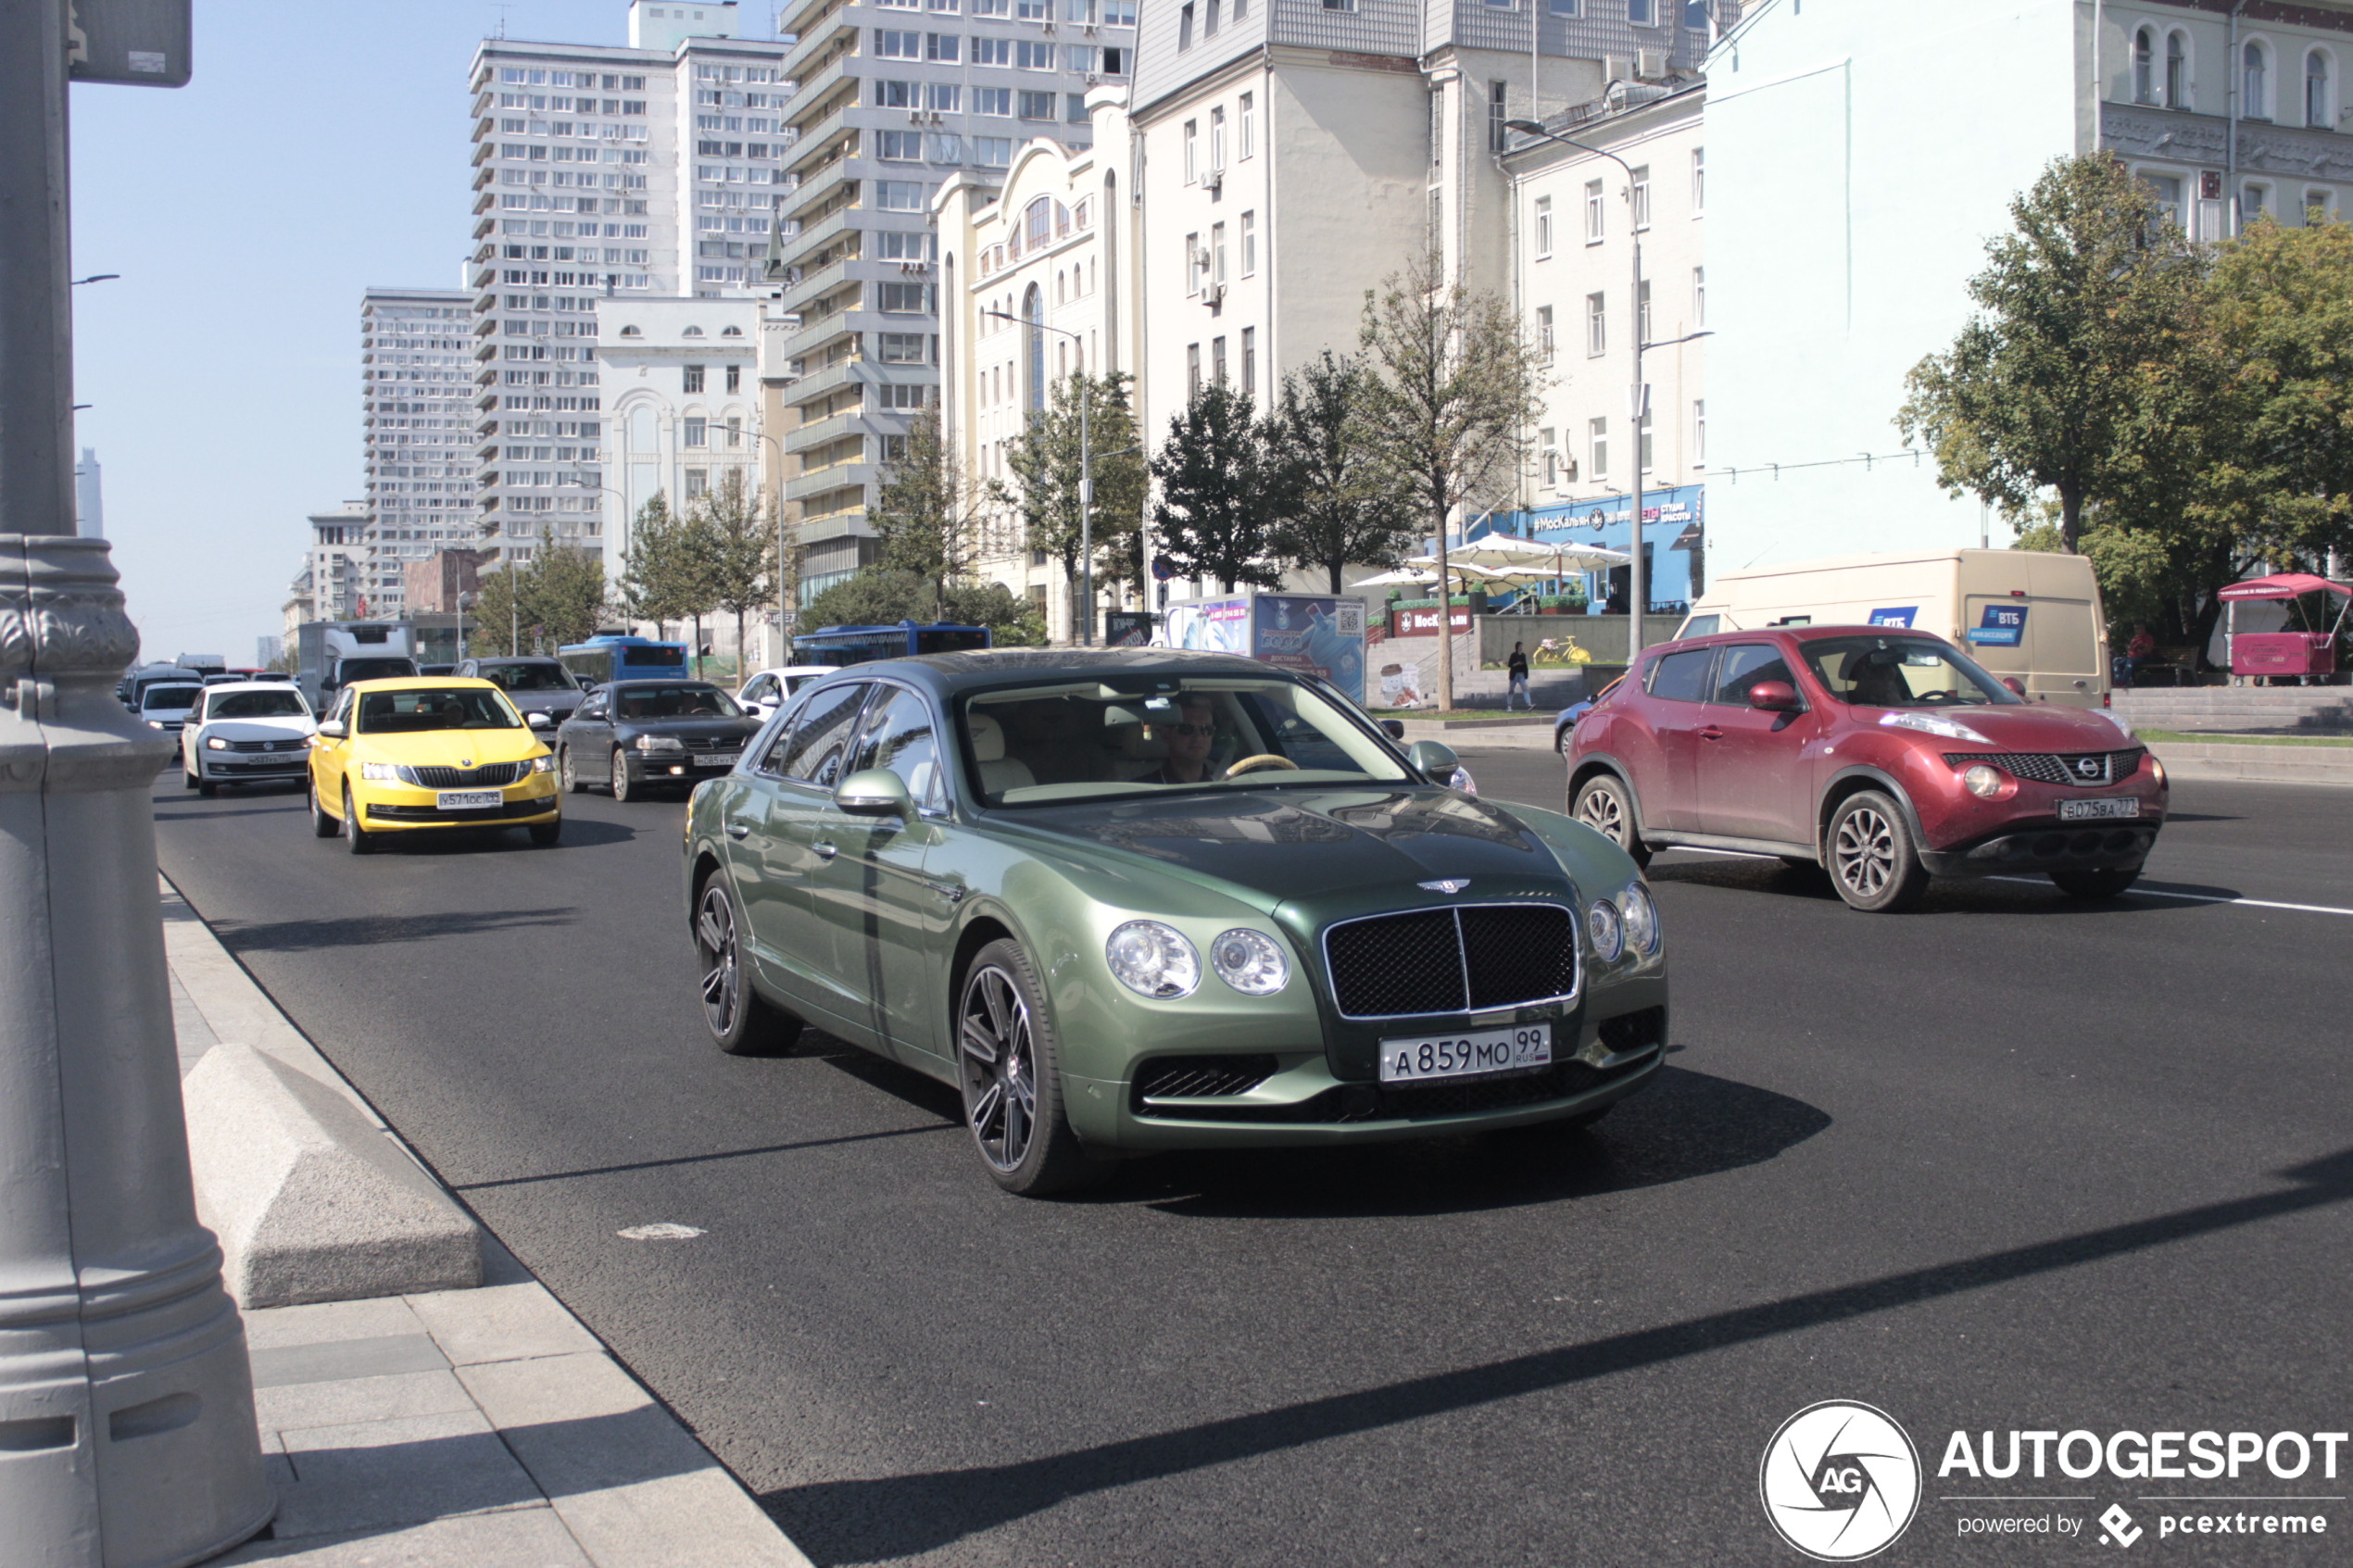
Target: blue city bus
{"x":856,"y":644}
{"x":601,"y":661}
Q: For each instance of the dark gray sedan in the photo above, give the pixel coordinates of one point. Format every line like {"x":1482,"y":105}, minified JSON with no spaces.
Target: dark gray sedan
{"x":534,"y":684}
{"x":635,"y":734}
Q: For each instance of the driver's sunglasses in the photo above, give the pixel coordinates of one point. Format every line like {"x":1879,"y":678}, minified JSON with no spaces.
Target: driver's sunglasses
{"x":1190,"y":729}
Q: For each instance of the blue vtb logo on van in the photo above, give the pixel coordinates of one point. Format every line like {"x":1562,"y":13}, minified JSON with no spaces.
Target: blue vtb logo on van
{"x":2002,"y":626}
{"x":1900,"y":616}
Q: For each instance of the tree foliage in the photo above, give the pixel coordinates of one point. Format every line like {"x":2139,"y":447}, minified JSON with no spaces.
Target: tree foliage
{"x":2082,"y":317}
{"x":881,"y":596}
{"x":1221,"y":490}
{"x":1045,"y":463}
{"x":933,"y":520}
{"x":558,"y":597}
{"x":1341,"y":506}
{"x":727,"y":528}
{"x":661,"y":576}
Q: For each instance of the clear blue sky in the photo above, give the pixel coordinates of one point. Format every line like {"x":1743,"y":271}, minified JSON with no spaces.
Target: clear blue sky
{"x":320,"y":150}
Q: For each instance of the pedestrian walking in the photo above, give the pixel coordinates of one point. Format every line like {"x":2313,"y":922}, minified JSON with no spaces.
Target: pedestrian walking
{"x":1517,"y":667}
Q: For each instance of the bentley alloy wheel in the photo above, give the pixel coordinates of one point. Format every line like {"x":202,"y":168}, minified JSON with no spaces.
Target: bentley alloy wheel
{"x":739,"y":1020}
{"x":1012,"y":1088}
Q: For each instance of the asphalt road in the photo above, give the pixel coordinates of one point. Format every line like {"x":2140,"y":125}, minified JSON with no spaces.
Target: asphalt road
{"x":2012,"y":1163}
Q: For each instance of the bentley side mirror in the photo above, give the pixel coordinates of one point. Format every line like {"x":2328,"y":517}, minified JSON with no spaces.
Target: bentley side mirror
{"x":1774,"y":696}
{"x":1393,"y":728}
{"x":537,"y":721}
{"x":334,"y":729}
{"x":875,"y":792}
{"x":2015,"y":684}
{"x":1436,"y":760}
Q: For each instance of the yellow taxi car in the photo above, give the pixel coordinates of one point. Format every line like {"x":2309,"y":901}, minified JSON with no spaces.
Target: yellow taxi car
{"x":415,"y":755}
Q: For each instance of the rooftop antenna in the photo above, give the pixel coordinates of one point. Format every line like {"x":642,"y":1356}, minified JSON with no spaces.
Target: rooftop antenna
{"x":503,"y":7}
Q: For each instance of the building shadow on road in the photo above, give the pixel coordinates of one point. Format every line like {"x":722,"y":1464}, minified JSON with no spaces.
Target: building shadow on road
{"x":886,"y":1518}
{"x":364,"y":930}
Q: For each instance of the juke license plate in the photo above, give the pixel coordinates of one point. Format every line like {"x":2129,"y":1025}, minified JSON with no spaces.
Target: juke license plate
{"x":467,"y":799}
{"x":1472,"y":1053}
{"x":2089,"y":810}
{"x":716,"y":758}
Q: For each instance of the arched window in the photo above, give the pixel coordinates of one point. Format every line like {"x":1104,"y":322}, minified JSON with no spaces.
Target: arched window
{"x":2316,"y":89}
{"x":2177,"y":71}
{"x":731,"y":332}
{"x":1037,"y":223}
{"x":631,"y":332}
{"x":1033,"y":308}
{"x":2144,"y":67}
{"x":2255,"y":90}
{"x":691,"y":331}
{"x":1062,"y":287}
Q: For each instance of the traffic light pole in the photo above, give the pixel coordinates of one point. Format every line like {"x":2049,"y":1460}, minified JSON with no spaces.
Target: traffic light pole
{"x":127,"y":1433}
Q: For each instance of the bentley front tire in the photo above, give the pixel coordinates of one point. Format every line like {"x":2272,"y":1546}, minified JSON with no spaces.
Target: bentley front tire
{"x":741,"y":1021}
{"x":1012,"y":1075}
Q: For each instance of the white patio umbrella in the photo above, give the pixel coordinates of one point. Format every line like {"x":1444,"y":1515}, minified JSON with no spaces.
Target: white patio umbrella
{"x":1403,"y":577}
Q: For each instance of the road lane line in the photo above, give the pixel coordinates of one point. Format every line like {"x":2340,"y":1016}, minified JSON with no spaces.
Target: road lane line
{"x":2202,"y":897}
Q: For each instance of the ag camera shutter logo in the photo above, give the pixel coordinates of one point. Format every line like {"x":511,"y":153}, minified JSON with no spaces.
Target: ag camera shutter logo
{"x":1840,"y":1481}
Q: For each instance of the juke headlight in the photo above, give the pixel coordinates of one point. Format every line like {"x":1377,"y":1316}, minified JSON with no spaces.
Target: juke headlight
{"x":1250,"y":961}
{"x":1152,"y":959}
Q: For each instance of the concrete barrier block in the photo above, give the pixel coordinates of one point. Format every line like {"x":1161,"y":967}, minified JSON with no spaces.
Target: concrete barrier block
{"x":311,"y":1202}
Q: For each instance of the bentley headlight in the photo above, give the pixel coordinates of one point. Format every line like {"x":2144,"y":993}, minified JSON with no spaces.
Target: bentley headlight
{"x":1152,"y":959}
{"x":214,"y":742}
{"x":1250,"y":961}
{"x":658,"y":742}
{"x":380,"y":772}
{"x":1641,"y":919}
{"x":1607,"y":929}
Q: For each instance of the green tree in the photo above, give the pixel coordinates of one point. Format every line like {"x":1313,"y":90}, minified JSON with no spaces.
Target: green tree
{"x":2080,"y":321}
{"x":1045,"y":462}
{"x":881,"y":596}
{"x":932,"y":519}
{"x":1221,"y":491}
{"x":739,"y":564}
{"x":556,"y":597}
{"x":1341,"y":506}
{"x":1454,"y":388}
{"x":648,"y":586}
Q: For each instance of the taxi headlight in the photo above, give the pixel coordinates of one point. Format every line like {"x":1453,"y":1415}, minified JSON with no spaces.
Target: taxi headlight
{"x":214,"y":742}
{"x":1250,"y":961}
{"x":658,"y":742}
{"x":1641,"y":919}
{"x":380,"y":772}
{"x":1152,"y":959}
{"x":1607,"y":930}
{"x":538,"y":765}
{"x":1984,"y":780}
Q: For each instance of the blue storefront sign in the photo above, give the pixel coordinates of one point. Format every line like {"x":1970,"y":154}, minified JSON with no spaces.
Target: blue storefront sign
{"x":1674,"y":524}
{"x":2002,"y":626}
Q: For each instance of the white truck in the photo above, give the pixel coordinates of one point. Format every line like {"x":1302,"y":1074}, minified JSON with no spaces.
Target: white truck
{"x":329,"y":654}
{"x":2028,"y":615}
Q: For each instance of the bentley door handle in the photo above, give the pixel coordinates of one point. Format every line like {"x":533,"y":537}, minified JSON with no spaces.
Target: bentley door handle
{"x":824,"y":851}
{"x":738,"y":829}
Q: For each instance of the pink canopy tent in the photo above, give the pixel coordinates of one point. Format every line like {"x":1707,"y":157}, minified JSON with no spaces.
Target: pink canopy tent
{"x":2283,"y":653}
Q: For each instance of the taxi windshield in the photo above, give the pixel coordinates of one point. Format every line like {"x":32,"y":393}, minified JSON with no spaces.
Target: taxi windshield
{"x":414,"y":712}
{"x":1872,"y":672}
{"x":1070,"y":741}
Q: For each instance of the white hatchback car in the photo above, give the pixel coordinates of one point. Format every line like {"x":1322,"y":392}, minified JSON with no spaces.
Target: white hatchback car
{"x":760,"y":695}
{"x":251,"y":732}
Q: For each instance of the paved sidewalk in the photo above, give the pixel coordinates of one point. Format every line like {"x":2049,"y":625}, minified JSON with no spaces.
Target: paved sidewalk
{"x":466,"y":1428}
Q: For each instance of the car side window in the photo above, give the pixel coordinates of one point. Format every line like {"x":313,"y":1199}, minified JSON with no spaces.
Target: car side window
{"x":900,"y":735}
{"x":1744,"y":665}
{"x":763,"y":689}
{"x":1682,"y":677}
{"x":821,"y":738}
{"x":342,"y":707}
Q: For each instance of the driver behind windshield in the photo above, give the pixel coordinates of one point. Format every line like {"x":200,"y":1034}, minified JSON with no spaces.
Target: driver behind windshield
{"x":1898,"y":672}
{"x":1189,"y":739}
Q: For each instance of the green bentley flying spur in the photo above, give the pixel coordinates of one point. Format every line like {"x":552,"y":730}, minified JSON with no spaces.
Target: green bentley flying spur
{"x":1139,"y":900}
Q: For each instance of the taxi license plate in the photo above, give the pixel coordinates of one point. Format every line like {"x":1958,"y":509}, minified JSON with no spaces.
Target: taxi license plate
{"x":467,"y":799}
{"x":2088,"y":810}
{"x":716,"y":758}
{"x":1472,"y":1053}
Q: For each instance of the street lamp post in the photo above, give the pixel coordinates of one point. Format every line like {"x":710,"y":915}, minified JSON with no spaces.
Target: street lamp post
{"x":127,"y":1429}
{"x":1638,"y":595}
{"x":1085,"y":471}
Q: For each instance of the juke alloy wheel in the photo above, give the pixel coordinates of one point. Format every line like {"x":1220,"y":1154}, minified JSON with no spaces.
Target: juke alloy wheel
{"x":1604,"y":805}
{"x":1873,"y":862}
{"x":1012,"y":1078}
{"x":740,"y":1019}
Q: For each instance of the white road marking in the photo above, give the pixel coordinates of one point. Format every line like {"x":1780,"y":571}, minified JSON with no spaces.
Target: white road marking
{"x":666,"y":1231}
{"x":2203,"y":897}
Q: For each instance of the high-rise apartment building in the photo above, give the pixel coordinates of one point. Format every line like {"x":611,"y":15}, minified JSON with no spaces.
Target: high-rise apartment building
{"x":895,"y":98}
{"x":414,"y":382}
{"x":601,"y":171}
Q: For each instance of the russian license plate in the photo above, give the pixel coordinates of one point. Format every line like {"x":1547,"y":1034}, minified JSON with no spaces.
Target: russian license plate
{"x":467,"y":799}
{"x":2089,"y":810}
{"x":1469,"y":1054}
{"x":716,"y":758}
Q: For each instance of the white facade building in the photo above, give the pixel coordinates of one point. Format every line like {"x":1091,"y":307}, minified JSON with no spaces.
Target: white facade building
{"x":1851,"y":201}
{"x":414,"y":386}
{"x":1055,"y":247}
{"x":333,"y":583}
{"x":656,"y":152}
{"x":682,"y":405}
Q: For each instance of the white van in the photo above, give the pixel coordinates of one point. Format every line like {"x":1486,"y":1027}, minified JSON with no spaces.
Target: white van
{"x":2024,"y":613}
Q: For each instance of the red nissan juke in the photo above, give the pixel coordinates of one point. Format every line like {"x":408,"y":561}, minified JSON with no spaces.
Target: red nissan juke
{"x":1885,"y":755}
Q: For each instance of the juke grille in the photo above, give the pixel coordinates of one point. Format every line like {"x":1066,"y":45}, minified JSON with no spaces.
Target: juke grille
{"x":1465,"y":960}
{"x":2058,"y":767}
{"x":462,"y":778}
